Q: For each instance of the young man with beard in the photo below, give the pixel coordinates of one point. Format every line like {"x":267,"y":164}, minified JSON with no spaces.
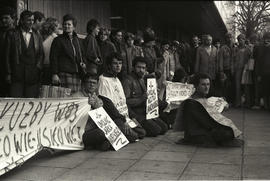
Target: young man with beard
{"x":136,"y":95}
{"x":111,"y":88}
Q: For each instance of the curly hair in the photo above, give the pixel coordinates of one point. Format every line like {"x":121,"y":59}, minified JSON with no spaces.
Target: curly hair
{"x":48,"y":27}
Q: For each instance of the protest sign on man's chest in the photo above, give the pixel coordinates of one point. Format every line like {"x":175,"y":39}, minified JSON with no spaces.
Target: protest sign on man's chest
{"x":110,"y":129}
{"x":152,"y":99}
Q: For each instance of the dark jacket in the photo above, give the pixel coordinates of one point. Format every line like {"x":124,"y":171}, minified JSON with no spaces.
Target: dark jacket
{"x":92,"y":52}
{"x":206,"y":63}
{"x":14,"y":49}
{"x":135,"y":91}
{"x":262,"y":60}
{"x":106,"y":49}
{"x":62,"y":56}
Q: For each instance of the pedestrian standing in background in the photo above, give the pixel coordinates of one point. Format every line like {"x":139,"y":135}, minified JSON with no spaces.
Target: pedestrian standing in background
{"x":206,"y":60}
{"x":24,"y":58}
{"x":262,"y":68}
{"x":105,"y":45}
{"x":49,"y":31}
{"x":92,"y":52}
{"x":66,"y":58}
{"x":226,"y":55}
{"x":7,"y":17}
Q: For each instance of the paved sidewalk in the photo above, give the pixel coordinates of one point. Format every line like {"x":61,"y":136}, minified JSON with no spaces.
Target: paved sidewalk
{"x":161,"y":159}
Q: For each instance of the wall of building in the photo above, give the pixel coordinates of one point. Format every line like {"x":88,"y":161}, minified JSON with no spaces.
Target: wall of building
{"x":83,"y":10}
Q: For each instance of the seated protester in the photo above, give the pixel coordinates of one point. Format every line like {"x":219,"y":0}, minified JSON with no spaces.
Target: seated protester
{"x":111,"y":88}
{"x":202,"y":124}
{"x":136,"y":95}
{"x":93,"y":136}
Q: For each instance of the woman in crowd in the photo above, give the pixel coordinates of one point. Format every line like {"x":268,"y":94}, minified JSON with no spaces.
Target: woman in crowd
{"x":66,"y":56}
{"x":132,"y":51}
{"x":105,"y":45}
{"x":242,"y":56}
{"x":49,"y":30}
{"x":117,"y":40}
{"x":92,"y":51}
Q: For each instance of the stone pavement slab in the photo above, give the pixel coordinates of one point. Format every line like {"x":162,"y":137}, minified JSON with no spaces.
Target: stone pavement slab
{"x":82,"y":174}
{"x":108,"y":164}
{"x":213,"y":170}
{"x":167,"y":156}
{"x":156,"y":166}
{"x":138,"y":176}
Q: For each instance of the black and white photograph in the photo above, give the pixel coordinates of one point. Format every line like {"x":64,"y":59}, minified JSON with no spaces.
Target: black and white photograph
{"x":133,"y":90}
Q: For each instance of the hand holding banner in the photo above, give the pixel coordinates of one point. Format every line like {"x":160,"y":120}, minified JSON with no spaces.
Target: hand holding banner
{"x":28,"y":125}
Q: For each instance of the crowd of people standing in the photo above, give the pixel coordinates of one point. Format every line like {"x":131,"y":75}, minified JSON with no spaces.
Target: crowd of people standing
{"x":38,"y":52}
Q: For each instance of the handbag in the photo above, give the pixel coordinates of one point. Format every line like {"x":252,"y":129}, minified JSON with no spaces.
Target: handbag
{"x":246,"y":77}
{"x":250,"y":64}
{"x":52,"y":91}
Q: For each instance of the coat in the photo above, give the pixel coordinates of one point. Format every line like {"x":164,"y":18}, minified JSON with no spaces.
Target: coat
{"x":92,"y":52}
{"x":62,"y":56}
{"x":206,"y":63}
{"x":13,"y":55}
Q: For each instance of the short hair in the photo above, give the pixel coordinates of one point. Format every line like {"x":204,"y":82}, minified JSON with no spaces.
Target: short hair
{"x":68,"y":17}
{"x":49,"y":26}
{"x":26,"y":13}
{"x":8,"y":11}
{"x":129,"y":35}
{"x":241,"y":36}
{"x":112,"y":56}
{"x":195,"y":79}
{"x":38,"y":16}
{"x":206,"y":36}
{"x":89,"y":76}
{"x":115,"y":31}
{"x":103,"y":31}
{"x":91,"y":25}
{"x":139,"y":59}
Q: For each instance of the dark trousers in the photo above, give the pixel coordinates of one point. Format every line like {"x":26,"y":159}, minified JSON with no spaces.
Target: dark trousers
{"x":200,"y":127}
{"x":227,"y":87}
{"x":154,"y":127}
{"x":93,"y":137}
{"x":4,"y":88}
{"x":20,"y":89}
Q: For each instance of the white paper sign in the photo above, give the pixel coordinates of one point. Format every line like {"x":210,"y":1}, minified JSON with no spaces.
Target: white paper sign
{"x":110,"y":129}
{"x":152,"y":99}
{"x":218,"y":103}
{"x":176,"y":91}
{"x":28,"y":125}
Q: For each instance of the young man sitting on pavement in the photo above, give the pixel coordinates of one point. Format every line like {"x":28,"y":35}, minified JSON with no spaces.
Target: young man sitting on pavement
{"x":202,"y":124}
{"x":111,"y":88}
{"x":136,"y":95}
{"x":93,"y":136}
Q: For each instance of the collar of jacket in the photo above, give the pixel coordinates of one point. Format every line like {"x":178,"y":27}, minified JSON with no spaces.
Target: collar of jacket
{"x":109,"y":74}
{"x":74,"y":34}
